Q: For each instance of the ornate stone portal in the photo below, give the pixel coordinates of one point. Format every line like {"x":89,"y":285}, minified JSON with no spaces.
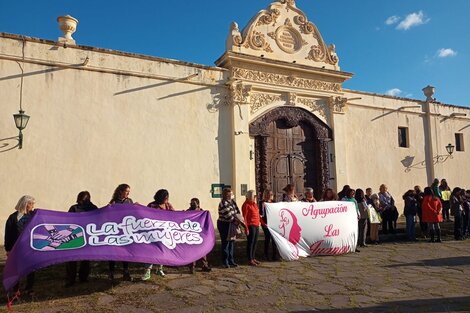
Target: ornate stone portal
{"x":282,"y":72}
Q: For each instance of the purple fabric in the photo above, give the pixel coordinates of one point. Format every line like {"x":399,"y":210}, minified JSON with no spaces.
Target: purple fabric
{"x":119,"y":232}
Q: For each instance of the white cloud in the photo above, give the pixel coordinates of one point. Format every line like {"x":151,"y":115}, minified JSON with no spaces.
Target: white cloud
{"x":394,"y":92}
{"x":413,"y":19}
{"x":444,"y":53}
{"x":392,"y":20}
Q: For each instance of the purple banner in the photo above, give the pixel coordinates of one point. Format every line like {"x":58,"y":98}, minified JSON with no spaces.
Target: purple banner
{"x":119,"y":232}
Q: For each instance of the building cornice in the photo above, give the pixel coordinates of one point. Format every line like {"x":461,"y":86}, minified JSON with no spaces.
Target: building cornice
{"x":229,"y":58}
{"x":110,"y":51}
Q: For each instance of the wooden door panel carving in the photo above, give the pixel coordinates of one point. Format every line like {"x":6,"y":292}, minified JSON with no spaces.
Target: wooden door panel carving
{"x":291,"y":147}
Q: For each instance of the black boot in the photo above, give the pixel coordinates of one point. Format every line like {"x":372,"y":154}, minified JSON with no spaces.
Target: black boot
{"x":438,"y":235}
{"x":431,"y":234}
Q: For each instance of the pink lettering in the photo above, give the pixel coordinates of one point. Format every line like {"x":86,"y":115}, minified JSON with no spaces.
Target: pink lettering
{"x":317,"y":249}
{"x":330,"y":232}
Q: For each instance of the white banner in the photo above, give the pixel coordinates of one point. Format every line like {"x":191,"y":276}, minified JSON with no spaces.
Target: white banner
{"x":302,"y":229}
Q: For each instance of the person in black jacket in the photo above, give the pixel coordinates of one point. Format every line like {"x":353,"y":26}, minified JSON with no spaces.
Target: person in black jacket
{"x":120,"y":196}
{"x":84,"y":204}
{"x":14,"y":226}
{"x":411,"y":209}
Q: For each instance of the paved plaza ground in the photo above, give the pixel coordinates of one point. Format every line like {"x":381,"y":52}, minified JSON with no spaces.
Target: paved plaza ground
{"x":392,"y":277}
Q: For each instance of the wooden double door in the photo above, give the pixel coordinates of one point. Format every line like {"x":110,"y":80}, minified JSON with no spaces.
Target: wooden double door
{"x":290,"y":154}
{"x":291,"y":147}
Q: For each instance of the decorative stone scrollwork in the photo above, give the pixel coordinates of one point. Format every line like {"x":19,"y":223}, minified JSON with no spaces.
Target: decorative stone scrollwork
{"x":269,"y":17}
{"x":313,"y":104}
{"x":316,"y":54}
{"x":337,"y":104}
{"x":259,"y":100}
{"x":240,"y":93}
{"x":258,"y":41}
{"x":284,"y":80}
{"x":236,"y":35}
{"x":285,"y":34}
{"x":332,"y":51}
{"x":305,"y":26}
{"x":288,"y":2}
{"x":293,"y":116}
{"x":291,"y":98}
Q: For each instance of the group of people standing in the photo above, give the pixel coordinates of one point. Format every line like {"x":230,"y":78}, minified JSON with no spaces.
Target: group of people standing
{"x":372,"y":210}
{"x":435,"y":205}
{"x":23,"y":212}
{"x":432,"y":206}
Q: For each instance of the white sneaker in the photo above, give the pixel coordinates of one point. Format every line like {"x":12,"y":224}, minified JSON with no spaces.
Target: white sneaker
{"x":160,"y":273}
{"x":147,"y":275}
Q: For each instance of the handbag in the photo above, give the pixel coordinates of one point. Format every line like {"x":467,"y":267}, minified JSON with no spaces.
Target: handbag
{"x":234,"y":231}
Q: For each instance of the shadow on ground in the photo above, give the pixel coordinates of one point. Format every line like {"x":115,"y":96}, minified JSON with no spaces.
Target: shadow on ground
{"x":452,"y":304}
{"x":454,"y":261}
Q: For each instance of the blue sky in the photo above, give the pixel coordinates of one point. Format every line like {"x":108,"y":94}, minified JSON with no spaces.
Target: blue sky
{"x":396,"y":47}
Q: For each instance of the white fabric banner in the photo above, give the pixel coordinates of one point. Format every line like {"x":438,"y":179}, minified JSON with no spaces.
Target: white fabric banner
{"x":302,"y":229}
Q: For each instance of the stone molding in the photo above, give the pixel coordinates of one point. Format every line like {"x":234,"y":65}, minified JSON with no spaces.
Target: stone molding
{"x":284,"y":80}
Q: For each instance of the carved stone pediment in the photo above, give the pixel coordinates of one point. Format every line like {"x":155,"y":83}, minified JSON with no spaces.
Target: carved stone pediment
{"x":270,"y":78}
{"x":283,"y":32}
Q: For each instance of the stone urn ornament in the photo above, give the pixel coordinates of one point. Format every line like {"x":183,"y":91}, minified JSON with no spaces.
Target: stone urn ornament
{"x":68,"y":26}
{"x":429,"y":92}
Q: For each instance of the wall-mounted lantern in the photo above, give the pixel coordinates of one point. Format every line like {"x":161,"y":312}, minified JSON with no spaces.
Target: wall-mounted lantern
{"x":21,"y":120}
{"x":450,"y":149}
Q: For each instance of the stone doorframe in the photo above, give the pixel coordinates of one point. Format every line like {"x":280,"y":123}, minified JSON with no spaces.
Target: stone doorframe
{"x":293,"y":116}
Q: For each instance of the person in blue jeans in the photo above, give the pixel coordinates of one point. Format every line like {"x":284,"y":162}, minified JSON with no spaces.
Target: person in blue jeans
{"x":227,"y":221}
{"x":411,"y":209}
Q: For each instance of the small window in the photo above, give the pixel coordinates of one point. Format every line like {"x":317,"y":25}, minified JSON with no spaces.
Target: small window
{"x":403,"y":141}
{"x":459,"y":142}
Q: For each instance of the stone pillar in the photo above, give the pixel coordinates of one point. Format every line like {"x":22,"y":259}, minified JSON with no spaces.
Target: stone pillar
{"x":337,"y":147}
{"x":428,"y":140}
{"x":428,"y":143}
{"x":240,"y":94}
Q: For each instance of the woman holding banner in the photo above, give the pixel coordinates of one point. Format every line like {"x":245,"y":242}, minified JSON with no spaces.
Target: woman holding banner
{"x":267,"y":198}
{"x":161,"y":202}
{"x":194,"y":205}
{"x":83,"y":204}
{"x":14,"y":226}
{"x":120,"y":196}
{"x":228,"y":226}
{"x":329,"y":195}
{"x":252,"y":219}
{"x":289,"y":195}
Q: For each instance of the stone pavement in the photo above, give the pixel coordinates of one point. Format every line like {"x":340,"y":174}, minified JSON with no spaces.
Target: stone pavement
{"x":391,"y":277}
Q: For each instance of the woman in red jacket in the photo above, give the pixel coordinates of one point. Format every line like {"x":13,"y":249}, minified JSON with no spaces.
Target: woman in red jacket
{"x":432,"y":213}
{"x":252,"y":221}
